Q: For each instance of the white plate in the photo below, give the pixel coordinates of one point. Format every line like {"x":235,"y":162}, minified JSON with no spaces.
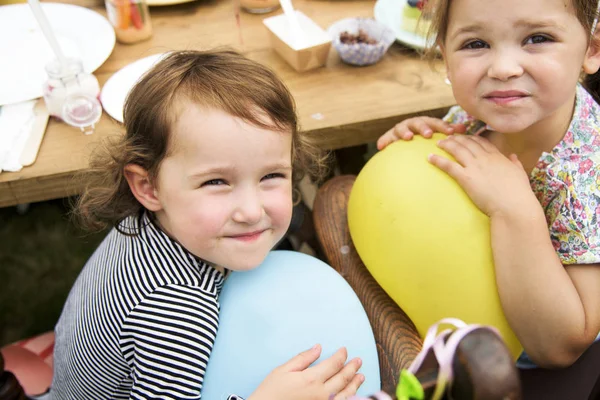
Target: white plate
{"x":389,"y":12}
{"x":81,"y":33}
{"x":117,"y":87}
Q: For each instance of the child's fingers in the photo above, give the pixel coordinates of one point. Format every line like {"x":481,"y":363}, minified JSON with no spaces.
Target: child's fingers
{"x":328,"y":368}
{"x":424,"y":126}
{"x":406,"y":135}
{"x":343,"y":378}
{"x":302,"y":360}
{"x":454,"y":169}
{"x":351,"y":388}
{"x":396,"y":133}
{"x":420,"y":126}
{"x":383,"y":141}
{"x":462,"y":148}
{"x":459,"y":128}
{"x":516,"y":161}
{"x":465,"y":146}
{"x":427,"y":126}
{"x":485,"y":144}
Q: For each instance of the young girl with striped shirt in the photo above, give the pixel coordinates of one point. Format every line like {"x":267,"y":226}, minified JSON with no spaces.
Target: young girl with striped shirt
{"x":200,"y":184}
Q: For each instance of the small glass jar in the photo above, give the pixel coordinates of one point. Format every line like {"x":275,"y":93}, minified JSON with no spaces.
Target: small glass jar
{"x":82,"y":111}
{"x":130,"y":19}
{"x":67,"y":81}
{"x":259,"y":6}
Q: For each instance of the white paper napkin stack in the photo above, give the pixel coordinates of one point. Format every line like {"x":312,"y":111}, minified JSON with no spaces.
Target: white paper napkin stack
{"x":16,"y":121}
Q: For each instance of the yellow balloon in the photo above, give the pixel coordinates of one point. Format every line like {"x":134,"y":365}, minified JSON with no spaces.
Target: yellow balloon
{"x":423,"y":239}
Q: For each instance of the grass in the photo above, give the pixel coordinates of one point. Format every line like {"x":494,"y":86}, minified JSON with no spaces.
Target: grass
{"x":41,"y":255}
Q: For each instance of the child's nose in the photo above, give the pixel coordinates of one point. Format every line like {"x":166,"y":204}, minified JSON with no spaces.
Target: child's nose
{"x":505,"y":65}
{"x":249,"y":208}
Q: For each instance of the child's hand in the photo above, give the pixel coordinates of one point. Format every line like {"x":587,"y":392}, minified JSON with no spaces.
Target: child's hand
{"x":496,"y":184}
{"x":294,"y":380}
{"x":424,"y":126}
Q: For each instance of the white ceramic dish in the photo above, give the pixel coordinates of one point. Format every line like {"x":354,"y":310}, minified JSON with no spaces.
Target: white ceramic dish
{"x":117,"y":87}
{"x":389,"y":12}
{"x":81,"y":33}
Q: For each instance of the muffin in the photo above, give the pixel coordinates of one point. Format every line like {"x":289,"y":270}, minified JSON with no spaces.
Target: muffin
{"x":361,"y":41}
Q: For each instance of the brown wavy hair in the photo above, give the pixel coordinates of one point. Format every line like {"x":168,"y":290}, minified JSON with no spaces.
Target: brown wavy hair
{"x":220,"y":79}
{"x":585,"y":10}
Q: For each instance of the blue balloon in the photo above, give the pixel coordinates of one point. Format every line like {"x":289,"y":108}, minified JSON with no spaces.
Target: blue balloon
{"x":288,"y":304}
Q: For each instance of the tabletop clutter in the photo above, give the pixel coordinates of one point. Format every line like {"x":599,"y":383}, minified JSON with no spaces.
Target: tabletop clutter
{"x":71,"y":92}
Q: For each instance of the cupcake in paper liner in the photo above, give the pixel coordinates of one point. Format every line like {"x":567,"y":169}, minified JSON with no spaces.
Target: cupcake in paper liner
{"x":361,"y":41}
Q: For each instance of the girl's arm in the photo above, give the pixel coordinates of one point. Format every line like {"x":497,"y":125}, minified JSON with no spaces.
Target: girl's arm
{"x":554,"y":310}
{"x":167,"y":340}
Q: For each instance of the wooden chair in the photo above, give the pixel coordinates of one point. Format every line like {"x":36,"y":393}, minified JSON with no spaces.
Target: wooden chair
{"x":396,"y":336}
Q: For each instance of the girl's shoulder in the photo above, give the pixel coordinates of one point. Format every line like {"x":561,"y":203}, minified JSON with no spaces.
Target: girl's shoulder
{"x":575,"y":161}
{"x":583,"y":135}
{"x":569,"y":193}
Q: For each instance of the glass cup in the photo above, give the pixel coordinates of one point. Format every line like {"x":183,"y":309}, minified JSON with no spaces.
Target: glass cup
{"x":66,"y":80}
{"x":82,"y":111}
{"x":130,"y":19}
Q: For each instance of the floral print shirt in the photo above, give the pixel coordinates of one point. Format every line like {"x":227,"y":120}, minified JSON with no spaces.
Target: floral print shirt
{"x":566,"y":181}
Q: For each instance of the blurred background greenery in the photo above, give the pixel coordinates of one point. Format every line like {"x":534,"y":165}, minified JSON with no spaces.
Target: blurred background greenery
{"x":41,"y":254}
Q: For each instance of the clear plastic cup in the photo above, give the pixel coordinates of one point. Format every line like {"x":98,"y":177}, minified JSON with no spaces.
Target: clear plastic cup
{"x":82,"y":111}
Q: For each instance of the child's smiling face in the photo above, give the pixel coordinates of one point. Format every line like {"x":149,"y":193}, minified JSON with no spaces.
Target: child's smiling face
{"x":225,"y":189}
{"x":514,"y":63}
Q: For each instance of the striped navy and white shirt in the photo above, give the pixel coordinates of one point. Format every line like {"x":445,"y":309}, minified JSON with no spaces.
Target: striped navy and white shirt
{"x":140,"y":321}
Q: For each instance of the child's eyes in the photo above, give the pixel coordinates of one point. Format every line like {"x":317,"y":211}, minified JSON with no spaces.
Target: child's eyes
{"x":475,"y":45}
{"x":536,"y":39}
{"x":214,"y":182}
{"x":221,"y":182}
{"x":273,"y":176}
{"x":480,"y":44}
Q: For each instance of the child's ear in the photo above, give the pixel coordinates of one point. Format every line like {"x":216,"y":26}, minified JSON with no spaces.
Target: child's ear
{"x":141,"y":187}
{"x":591,"y":63}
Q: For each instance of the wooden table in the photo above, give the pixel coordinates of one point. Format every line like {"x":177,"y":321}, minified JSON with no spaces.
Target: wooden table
{"x":341,"y":105}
